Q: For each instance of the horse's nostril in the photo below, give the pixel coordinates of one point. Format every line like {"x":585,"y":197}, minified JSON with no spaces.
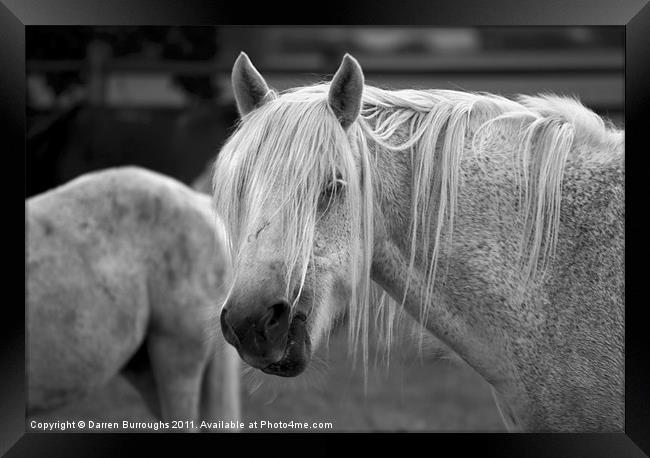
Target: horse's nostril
{"x":276,"y":312}
{"x":276,"y":320}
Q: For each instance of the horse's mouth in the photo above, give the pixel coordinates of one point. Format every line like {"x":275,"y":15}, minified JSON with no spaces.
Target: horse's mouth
{"x":297,"y":353}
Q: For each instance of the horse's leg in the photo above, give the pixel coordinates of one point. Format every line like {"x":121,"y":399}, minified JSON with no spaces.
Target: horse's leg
{"x":145,"y":384}
{"x":178,"y":364}
{"x":139,"y":374}
{"x":221,"y":398}
{"x":231,"y":390}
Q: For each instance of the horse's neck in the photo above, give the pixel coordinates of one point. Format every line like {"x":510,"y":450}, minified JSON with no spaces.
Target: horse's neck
{"x":457,"y":316}
{"x":479,"y":309}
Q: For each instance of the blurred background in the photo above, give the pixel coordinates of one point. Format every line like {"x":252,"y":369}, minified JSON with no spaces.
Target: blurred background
{"x":160,"y":98}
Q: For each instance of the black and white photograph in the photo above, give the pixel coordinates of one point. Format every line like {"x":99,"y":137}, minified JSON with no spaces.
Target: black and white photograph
{"x":400,"y":219}
{"x":239,"y":229}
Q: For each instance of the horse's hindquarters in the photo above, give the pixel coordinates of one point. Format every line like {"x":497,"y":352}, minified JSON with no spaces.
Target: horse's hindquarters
{"x":86,"y":315}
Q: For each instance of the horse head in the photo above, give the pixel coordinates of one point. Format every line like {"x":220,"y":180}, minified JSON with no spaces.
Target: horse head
{"x":289,"y":187}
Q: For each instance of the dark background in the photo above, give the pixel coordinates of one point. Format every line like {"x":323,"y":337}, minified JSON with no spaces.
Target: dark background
{"x":160,"y":97}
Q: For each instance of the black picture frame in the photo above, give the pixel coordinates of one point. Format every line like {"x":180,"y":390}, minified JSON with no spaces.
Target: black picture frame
{"x":634,"y":15}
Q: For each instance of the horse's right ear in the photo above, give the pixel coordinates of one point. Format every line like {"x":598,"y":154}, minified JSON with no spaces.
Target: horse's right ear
{"x":346,"y":91}
{"x":249,"y":87}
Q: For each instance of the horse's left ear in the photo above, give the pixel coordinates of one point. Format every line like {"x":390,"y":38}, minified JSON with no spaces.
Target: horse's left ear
{"x":346,"y":90}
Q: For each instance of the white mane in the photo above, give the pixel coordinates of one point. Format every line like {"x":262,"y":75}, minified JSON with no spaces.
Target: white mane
{"x":295,"y":143}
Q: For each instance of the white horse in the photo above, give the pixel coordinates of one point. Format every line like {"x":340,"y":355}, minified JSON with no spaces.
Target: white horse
{"x":496,"y":223}
{"x":125,"y":272}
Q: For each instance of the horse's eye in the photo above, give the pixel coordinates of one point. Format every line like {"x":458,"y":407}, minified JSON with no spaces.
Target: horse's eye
{"x":331,"y":190}
{"x":334,"y":187}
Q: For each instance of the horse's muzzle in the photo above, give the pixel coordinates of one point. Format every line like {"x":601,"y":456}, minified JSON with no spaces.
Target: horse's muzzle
{"x":260,"y":338}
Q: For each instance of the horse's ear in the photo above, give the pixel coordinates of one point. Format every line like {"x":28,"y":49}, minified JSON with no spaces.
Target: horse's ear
{"x":346,"y":90}
{"x":249,"y":87}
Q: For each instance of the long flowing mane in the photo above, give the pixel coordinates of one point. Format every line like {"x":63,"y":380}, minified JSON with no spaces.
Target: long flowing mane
{"x":293,"y":145}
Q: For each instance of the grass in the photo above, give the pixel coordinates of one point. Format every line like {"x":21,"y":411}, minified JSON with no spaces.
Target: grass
{"x":414,"y":394}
